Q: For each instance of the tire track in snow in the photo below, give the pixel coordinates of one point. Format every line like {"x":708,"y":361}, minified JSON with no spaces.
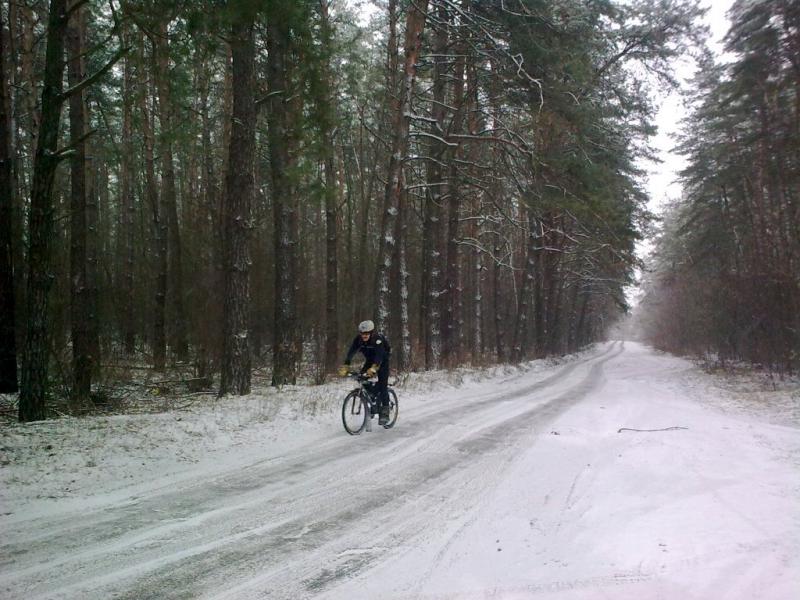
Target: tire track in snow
{"x":253,"y":477}
{"x":129,"y":530}
{"x":548,"y":411}
{"x":444,"y":471}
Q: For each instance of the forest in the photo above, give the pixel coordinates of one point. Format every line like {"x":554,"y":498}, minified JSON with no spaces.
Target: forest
{"x":725,"y":273}
{"x":205,"y":190}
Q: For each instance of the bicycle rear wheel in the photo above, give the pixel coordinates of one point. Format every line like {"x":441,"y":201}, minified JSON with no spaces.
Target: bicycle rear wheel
{"x":394,"y":409}
{"x":354,"y":413}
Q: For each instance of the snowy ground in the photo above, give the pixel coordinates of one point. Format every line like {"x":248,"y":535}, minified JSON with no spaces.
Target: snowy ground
{"x":527,"y":482}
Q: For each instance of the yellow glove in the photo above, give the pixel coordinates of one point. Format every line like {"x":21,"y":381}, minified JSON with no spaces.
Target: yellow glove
{"x":344,"y":370}
{"x":372,"y":371}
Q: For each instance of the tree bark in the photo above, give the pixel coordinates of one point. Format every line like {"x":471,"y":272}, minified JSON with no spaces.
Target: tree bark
{"x":128,"y":211}
{"x":169,"y":202}
{"x":327,"y":125}
{"x":209,"y":338}
{"x":8,"y":344}
{"x":16,"y":146}
{"x":159,"y":229}
{"x":432,"y":229}
{"x":400,"y":326}
{"x":477,"y":324}
{"x":539,"y":333}
{"x":415,"y":24}
{"x":285,"y":351}
{"x":452,"y":330}
{"x":239,"y":191}
{"x":27,"y":77}
{"x":526,"y":288}
{"x":81,"y":305}
{"x":33,"y":388}
{"x":497,"y":300}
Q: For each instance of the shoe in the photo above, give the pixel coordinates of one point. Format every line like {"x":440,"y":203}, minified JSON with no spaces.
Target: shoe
{"x":384,"y":417}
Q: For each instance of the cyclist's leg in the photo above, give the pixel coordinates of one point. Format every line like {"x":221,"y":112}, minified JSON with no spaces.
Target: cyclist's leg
{"x":382,"y":389}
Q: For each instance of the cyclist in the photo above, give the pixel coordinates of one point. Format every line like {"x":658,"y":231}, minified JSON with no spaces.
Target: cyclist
{"x":376,"y":351}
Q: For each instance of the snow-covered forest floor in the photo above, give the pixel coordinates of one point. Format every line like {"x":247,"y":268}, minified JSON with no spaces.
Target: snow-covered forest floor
{"x":510,"y":482}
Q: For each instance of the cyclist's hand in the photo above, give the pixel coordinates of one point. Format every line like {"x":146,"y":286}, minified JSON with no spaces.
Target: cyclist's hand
{"x":372,"y":371}
{"x":344,"y":370}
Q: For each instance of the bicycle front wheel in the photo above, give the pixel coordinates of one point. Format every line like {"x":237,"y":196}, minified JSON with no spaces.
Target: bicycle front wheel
{"x":394,"y":409}
{"x":354,"y":413}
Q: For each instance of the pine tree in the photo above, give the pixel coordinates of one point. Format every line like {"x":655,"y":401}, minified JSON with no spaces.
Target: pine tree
{"x":237,"y":209}
{"x":8,"y":344}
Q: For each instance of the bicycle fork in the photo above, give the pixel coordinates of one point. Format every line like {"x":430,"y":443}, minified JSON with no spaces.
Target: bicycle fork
{"x":368,"y":408}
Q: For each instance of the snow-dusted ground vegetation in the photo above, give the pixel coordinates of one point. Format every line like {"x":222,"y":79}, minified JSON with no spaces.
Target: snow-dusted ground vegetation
{"x":617,"y":473}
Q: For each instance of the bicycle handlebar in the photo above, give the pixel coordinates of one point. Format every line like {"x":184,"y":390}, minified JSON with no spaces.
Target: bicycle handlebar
{"x":361,"y":378}
{"x":358,"y":376}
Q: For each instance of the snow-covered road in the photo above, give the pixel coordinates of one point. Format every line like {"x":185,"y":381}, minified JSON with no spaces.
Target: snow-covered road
{"x":542,"y":484}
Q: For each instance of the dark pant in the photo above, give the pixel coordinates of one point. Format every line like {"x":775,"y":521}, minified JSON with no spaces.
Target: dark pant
{"x":381,"y":388}
{"x":383,"y":384}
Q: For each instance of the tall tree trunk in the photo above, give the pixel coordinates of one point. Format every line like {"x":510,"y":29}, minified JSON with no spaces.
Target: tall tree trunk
{"x":327,"y":125}
{"x":94,"y":248}
{"x":352,"y":197}
{"x":33,"y":388}
{"x":159,"y":229}
{"x":432,"y":298}
{"x":399,"y":282}
{"x":539,"y":292}
{"x":557,"y":301}
{"x":210,"y":335}
{"x":389,"y":114}
{"x":415,"y":24}
{"x":16,"y":148}
{"x":581,"y":333}
{"x":572,"y":329}
{"x":526,"y":295}
{"x":82,"y":359}
{"x":477,"y":323}
{"x":452,"y":330}
{"x":285,"y":211}
{"x":128,"y":211}
{"x":8,"y":344}
{"x":452,"y":297}
{"x":27,"y":77}
{"x":362,"y":298}
{"x":474,"y":126}
{"x":239,"y":191}
{"x":169,"y":202}
{"x":404,"y":364}
{"x":551,"y":283}
{"x":497,"y":300}
{"x":397,"y":303}
{"x":556,"y":339}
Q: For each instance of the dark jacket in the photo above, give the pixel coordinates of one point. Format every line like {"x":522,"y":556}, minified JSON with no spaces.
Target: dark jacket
{"x":375,"y":350}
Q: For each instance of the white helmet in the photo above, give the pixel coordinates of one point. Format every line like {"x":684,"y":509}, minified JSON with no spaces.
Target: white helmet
{"x":366,"y":327}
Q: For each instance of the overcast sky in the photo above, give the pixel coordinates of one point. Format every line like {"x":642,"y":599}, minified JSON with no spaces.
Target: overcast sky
{"x":661,"y":180}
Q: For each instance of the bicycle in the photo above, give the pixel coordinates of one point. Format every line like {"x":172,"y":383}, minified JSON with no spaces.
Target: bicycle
{"x":362,"y":404}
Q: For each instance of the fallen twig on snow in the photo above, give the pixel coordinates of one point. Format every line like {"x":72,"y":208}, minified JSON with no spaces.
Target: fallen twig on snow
{"x":665,"y":429}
